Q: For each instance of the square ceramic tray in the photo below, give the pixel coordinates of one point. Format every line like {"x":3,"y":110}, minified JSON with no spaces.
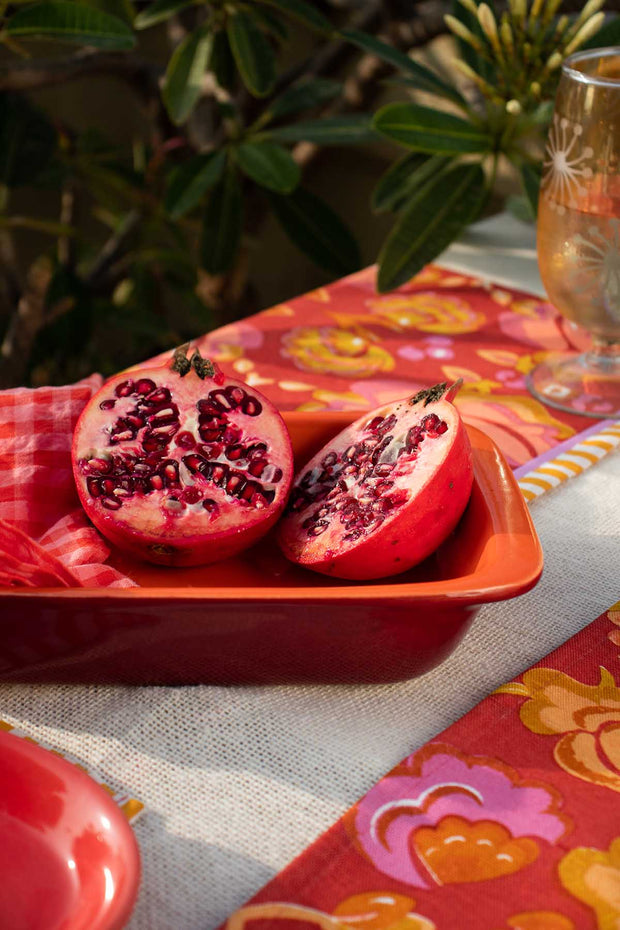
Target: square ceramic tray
{"x":257,"y":618}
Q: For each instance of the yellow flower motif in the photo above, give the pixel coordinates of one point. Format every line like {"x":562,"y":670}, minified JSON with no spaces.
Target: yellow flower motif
{"x":593,"y":876}
{"x":427,"y":311}
{"x":324,"y":399}
{"x":331,"y":350}
{"x":540,"y":920}
{"x":613,"y":614}
{"x":586,"y":716}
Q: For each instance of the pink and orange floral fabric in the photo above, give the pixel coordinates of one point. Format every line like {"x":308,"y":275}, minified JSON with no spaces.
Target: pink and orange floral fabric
{"x":509,"y":820}
{"x":346,"y":347}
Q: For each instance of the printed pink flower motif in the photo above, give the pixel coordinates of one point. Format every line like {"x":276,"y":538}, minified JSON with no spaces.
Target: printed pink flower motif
{"x":444,"y":816}
{"x":536,"y":323}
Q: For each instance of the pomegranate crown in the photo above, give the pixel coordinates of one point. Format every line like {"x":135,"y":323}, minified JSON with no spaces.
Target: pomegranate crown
{"x":437,"y":392}
{"x":203,"y":367}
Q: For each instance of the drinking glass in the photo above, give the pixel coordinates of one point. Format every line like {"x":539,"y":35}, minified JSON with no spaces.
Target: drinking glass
{"x":578,"y":234}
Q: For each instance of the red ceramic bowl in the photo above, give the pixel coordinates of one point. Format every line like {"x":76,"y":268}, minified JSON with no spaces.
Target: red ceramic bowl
{"x":68,"y":857}
{"x":257,"y":618}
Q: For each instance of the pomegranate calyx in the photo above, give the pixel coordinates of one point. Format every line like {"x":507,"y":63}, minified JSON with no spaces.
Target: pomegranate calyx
{"x":203,"y":367}
{"x":180,"y":361}
{"x":437,"y":392}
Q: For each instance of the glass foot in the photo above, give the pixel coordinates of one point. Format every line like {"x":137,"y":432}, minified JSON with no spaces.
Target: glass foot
{"x":587,"y":384}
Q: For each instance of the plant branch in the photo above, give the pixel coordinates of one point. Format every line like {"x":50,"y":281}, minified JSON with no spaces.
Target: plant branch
{"x":112,"y":249}
{"x":24,"y":325}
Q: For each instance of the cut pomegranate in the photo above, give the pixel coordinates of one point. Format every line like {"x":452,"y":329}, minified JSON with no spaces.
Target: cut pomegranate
{"x":166,"y":465}
{"x":384,"y":493}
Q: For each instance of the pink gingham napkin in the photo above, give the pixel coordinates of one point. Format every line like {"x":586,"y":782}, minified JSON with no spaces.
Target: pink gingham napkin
{"x":45,"y":537}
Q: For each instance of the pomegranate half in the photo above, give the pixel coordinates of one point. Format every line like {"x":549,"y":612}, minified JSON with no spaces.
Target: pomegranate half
{"x":384,"y":493}
{"x":180,"y":465}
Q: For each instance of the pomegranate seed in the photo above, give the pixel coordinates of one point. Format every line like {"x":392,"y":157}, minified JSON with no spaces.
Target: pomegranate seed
{"x":209,"y":505}
{"x":252,"y":407}
{"x":124,"y":389}
{"x":185,"y":440}
{"x":164,"y":414}
{"x":102,"y":466}
{"x":219,"y":473}
{"x":171,"y":472}
{"x":236,"y":395}
{"x":256,"y":450}
{"x":107,"y":404}
{"x":191,"y":495}
{"x":232,"y":434}
{"x":430,"y":421}
{"x":94,"y":487}
{"x":209,"y":435}
{"x":374,"y":424}
{"x":234,"y":452}
{"x":220,"y":400}
{"x":330,"y":459}
{"x":157,"y":482}
{"x":124,"y":436}
{"x":151,"y":442}
{"x":194,"y":462}
{"x":439,"y":430}
{"x":174,"y":505}
{"x":318,"y":528}
{"x":350,"y":452}
{"x":157,"y":397}
{"x":108,"y":485}
{"x":383,"y":469}
{"x":249,"y":491}
{"x":212,"y":451}
{"x":144,"y":386}
{"x":257,"y":467}
{"x":134,"y":420}
{"x":110,"y":503}
{"x":235,"y":483}
{"x":277,"y":476}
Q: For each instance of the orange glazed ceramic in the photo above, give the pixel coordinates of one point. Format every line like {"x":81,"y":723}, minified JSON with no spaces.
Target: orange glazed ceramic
{"x":259,"y":618}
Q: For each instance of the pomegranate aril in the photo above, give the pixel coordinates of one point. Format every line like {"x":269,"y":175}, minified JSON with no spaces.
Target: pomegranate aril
{"x":170,"y":471}
{"x":101,"y":466}
{"x":144,"y":386}
{"x":219,"y":473}
{"x":110,"y":503}
{"x":94,"y":487}
{"x":257,"y":467}
{"x":439,"y":430}
{"x":209,"y":435}
{"x":134,"y":420}
{"x":210,"y":505}
{"x":125,"y":435}
{"x":256,"y":450}
{"x":191,"y":495}
{"x":124,"y":389}
{"x":185,"y":440}
{"x":318,"y":528}
{"x":107,"y":404}
{"x":159,"y":396}
{"x":108,"y":485}
{"x":156,"y":482}
{"x":231,"y":435}
{"x":329,"y":460}
{"x":249,"y":491}
{"x":234,"y":452}
{"x":194,"y":462}
{"x":153,"y":442}
{"x":236,"y":395}
{"x":174,"y":505}
{"x":383,"y":469}
{"x":212,"y":450}
{"x":235,"y":482}
{"x":251,"y":407}
{"x":350,"y":453}
{"x":374,"y":424}
{"x":165,"y":414}
{"x":220,"y":400}
{"x":430,"y":421}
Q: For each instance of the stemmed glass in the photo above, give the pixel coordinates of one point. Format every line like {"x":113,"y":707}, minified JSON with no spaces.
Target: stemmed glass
{"x":579,"y":234}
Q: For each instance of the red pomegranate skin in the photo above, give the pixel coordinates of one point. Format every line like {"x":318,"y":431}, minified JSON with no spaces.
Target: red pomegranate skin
{"x":181,"y":470}
{"x":384,"y":493}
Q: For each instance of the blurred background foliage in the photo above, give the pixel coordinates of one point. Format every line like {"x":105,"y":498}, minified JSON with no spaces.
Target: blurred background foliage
{"x":169,"y":166}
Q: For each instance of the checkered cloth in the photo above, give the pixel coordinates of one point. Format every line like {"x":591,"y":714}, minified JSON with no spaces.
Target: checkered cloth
{"x":45,"y":537}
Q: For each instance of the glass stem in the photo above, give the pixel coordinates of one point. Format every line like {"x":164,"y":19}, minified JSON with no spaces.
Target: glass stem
{"x":604,"y":356}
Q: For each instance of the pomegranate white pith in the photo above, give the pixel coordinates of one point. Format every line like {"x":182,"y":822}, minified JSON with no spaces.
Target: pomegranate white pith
{"x":384,"y":493}
{"x":181,"y":470}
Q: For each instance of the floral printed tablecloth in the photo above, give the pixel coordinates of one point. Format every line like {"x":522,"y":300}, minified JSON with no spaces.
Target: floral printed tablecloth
{"x":346,"y":347}
{"x":509,"y":820}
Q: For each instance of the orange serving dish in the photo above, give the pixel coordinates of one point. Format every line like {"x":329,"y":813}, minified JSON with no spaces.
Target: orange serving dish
{"x":258,"y":618}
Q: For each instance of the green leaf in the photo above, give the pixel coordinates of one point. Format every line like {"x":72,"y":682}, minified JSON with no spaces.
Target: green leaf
{"x":269,"y":22}
{"x":184,"y":75}
{"x":252,"y":53}
{"x":337,"y":130}
{"x":530,"y":179}
{"x":608,"y":35}
{"x":420,"y":77}
{"x":434,"y":217}
{"x":222,"y":224}
{"x":304,"y":12}
{"x":520,"y":207}
{"x":159,"y":11}
{"x":71,"y":22}
{"x":306,"y":93}
{"x":123,"y":9}
{"x":315,"y":229}
{"x":269,"y":165}
{"x":401,"y":179}
{"x":428,"y":130}
{"x":189,"y":182}
{"x":221,"y":62}
{"x":27,"y":141}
